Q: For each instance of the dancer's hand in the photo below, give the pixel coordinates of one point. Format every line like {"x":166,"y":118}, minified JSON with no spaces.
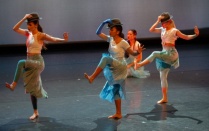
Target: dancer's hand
{"x":141,"y":48}
{"x":196,"y":31}
{"x":65,"y":36}
{"x":107,"y":21}
{"x":159,"y":18}
{"x":27,"y":16}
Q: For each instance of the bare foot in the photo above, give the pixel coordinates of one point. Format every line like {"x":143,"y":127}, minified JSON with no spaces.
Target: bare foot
{"x":116,"y":116}
{"x":34,"y":116}
{"x":10,"y":86}
{"x":88,"y":77}
{"x":162,"y":101}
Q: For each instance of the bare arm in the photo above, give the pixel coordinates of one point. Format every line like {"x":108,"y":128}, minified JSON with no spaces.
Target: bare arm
{"x":188,"y":37}
{"x":17,"y":28}
{"x":103,"y":36}
{"x":153,"y":28}
{"x":49,"y":38}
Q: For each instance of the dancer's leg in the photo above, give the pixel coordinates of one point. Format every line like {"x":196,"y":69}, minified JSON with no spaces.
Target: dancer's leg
{"x":103,"y":62}
{"x":164,"y":85}
{"x":18,"y":73}
{"x":91,"y":78}
{"x":118,"y":113}
{"x":149,"y":59}
{"x":34,"y":103}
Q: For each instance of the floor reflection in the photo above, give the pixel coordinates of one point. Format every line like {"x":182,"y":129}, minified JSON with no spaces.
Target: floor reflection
{"x":105,"y":124}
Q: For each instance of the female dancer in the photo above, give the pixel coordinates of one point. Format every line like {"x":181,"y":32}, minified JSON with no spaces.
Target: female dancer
{"x":168,"y":56}
{"x":32,"y":67}
{"x":140,"y":72}
{"x":113,"y":64}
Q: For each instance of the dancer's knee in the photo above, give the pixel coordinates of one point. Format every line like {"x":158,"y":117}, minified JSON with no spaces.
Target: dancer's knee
{"x":21,"y":63}
{"x":104,"y":61}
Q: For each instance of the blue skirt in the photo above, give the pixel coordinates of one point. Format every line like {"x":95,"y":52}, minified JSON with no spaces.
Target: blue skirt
{"x":114,"y":89}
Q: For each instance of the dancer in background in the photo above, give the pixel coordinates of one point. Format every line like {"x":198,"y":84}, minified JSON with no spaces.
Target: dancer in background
{"x":140,"y":72}
{"x":31,"y":68}
{"x":113,"y":64}
{"x":168,"y":57}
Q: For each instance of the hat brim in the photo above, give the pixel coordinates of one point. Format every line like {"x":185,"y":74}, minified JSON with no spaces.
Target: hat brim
{"x":34,"y":19}
{"x":108,"y":27}
{"x":168,"y":19}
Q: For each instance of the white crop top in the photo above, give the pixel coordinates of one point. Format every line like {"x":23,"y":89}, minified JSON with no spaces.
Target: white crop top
{"x":32,"y":43}
{"x":168,"y":36}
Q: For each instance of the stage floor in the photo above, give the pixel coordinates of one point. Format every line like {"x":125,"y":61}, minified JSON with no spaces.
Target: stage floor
{"x":74,"y":104}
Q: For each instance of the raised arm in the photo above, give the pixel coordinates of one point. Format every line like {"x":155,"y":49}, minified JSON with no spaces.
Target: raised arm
{"x":99,"y":29}
{"x":153,"y":27}
{"x":17,"y":28}
{"x":188,"y":37}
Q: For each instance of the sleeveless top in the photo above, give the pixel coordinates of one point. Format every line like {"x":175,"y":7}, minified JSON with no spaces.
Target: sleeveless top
{"x":33,"y":44}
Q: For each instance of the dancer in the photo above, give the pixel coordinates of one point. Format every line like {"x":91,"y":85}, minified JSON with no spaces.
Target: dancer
{"x":31,"y":68}
{"x":168,"y":57}
{"x":140,"y":72}
{"x":113,"y":64}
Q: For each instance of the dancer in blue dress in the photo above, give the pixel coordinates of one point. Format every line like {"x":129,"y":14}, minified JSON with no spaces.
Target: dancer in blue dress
{"x":113,"y":64}
{"x":168,"y":57}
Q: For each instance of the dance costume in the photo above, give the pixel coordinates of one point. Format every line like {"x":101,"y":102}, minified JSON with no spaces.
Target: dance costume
{"x":31,"y":68}
{"x":168,"y":57}
{"x":115,"y":70}
{"x":140,"y":72}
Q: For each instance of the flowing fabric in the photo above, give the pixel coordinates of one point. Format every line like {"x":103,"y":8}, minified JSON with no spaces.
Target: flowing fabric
{"x":115,"y":75}
{"x":31,"y":76}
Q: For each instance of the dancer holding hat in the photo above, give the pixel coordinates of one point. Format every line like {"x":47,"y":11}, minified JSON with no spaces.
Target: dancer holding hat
{"x":168,"y":57}
{"x":113,"y":64}
{"x":31,"y":68}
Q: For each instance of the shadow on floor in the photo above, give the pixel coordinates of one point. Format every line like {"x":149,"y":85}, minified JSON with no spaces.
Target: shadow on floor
{"x":41,"y":124}
{"x":162,"y":112}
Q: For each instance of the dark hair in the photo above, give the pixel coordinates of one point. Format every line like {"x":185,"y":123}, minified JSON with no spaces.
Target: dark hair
{"x":120,"y":29}
{"x":134,"y":32}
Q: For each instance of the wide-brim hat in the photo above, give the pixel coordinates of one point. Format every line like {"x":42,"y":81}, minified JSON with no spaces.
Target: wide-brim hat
{"x":166,"y":18}
{"x":114,"y":22}
{"x":34,"y":17}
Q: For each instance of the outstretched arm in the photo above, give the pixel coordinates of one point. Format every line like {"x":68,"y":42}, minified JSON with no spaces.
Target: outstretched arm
{"x":49,"y":38}
{"x":99,"y":29}
{"x":188,"y":37}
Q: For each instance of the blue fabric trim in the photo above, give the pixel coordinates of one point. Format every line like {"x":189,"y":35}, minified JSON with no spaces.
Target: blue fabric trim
{"x":160,"y":64}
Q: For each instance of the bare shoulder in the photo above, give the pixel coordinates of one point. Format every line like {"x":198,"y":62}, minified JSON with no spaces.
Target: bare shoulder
{"x":41,"y":35}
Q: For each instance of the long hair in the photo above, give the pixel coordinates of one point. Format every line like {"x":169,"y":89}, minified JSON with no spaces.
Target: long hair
{"x":135,"y":33}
